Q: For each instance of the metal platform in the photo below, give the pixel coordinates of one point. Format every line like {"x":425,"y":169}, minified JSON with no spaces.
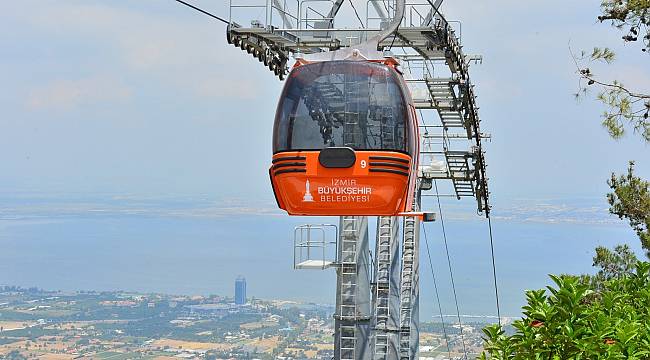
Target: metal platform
{"x":314,"y":246}
{"x":314,"y":265}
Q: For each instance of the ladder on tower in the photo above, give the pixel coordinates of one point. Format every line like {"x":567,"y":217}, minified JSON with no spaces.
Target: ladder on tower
{"x":386,"y":234}
{"x":442,"y":93}
{"x":347,"y":303}
{"x":445,"y":100}
{"x":347,"y":312}
{"x":406,"y":286}
{"x":460,"y":173}
{"x":348,"y":342}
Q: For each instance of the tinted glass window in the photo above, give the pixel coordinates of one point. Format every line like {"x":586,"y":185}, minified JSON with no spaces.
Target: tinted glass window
{"x":341,"y":103}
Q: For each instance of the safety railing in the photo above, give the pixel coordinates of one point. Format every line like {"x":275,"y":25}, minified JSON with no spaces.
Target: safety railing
{"x":383,"y":11}
{"x":315,"y":246}
{"x":240,"y":11}
{"x":313,"y":15}
{"x":277,"y":13}
{"x":287,"y":11}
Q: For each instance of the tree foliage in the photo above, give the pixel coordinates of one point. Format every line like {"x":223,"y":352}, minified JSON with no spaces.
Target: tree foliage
{"x":606,"y":315}
{"x":630,"y":200}
{"x":623,"y":106}
{"x":566,"y":321}
{"x":632,"y":16}
{"x":612,"y":265}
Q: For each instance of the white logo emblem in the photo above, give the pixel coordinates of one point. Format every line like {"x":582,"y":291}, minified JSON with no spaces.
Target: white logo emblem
{"x":307,"y":197}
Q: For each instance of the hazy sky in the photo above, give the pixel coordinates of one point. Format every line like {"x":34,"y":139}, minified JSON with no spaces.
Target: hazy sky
{"x":145,"y":97}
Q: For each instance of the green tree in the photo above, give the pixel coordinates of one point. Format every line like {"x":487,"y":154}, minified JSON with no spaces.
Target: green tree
{"x":624,"y":106}
{"x":632,"y":16}
{"x":611,"y":264}
{"x":630,"y":196}
{"x":606,"y":315}
{"x":630,"y":200}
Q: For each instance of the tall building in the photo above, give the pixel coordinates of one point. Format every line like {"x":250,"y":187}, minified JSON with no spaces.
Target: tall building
{"x":240,"y":291}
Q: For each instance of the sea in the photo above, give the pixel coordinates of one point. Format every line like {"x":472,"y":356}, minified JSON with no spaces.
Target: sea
{"x":198,"y":246}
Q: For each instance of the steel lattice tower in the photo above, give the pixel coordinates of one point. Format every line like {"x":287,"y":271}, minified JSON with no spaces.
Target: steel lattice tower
{"x":377,"y":302}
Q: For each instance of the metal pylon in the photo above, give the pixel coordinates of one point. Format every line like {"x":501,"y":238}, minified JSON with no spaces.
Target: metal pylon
{"x":352,"y":317}
{"x":431,"y":49}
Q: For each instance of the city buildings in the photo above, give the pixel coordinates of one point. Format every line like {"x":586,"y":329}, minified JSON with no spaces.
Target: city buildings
{"x":240,"y":291}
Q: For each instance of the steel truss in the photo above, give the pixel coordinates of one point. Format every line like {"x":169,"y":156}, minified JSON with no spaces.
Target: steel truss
{"x":377,"y":318}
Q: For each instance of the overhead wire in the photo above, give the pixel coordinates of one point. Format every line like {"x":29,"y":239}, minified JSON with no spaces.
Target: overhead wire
{"x":435,"y":7}
{"x":494,"y":269}
{"x":435,"y":286}
{"x":433,"y":272}
{"x":451,"y":272}
{"x":357,"y":14}
{"x":437,"y":10}
{"x":394,"y":36}
{"x":433,"y":275}
{"x":203,"y":11}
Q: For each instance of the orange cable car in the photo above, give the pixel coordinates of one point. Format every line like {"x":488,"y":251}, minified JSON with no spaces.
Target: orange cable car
{"x":345,"y":139}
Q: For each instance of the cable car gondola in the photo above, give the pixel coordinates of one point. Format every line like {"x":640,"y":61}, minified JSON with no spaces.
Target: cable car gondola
{"x":345,"y":138}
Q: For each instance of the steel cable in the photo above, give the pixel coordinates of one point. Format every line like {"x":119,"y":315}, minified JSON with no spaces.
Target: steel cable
{"x":357,"y":14}
{"x":451,"y":273}
{"x":494,"y":270}
{"x":203,"y":11}
{"x":435,"y":286}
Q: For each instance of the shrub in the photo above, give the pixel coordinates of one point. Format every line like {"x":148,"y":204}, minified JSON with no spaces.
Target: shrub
{"x":572,"y":321}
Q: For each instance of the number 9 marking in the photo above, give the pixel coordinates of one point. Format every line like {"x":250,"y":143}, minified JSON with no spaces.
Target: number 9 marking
{"x":364,"y":164}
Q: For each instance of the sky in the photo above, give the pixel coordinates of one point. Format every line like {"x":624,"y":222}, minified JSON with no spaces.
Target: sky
{"x":146,"y":97}
{"x":144,"y":100}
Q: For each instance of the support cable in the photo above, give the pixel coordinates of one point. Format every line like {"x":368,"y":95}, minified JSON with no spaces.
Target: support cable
{"x":435,"y":286}
{"x":451,"y":273}
{"x":394,"y":37}
{"x":203,"y":11}
{"x":494,"y":270}
{"x":436,"y":8}
{"x":357,"y":14}
{"x":433,"y":273}
{"x":386,"y":7}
